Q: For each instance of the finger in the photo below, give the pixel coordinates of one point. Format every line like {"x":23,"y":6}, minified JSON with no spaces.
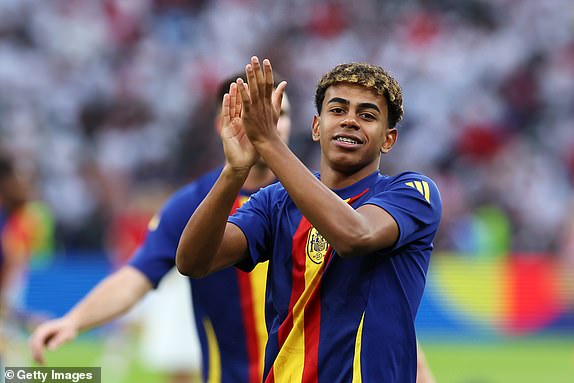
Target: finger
{"x":243,"y":94}
{"x":225,"y":108}
{"x":37,"y":348}
{"x":232,"y":100}
{"x":251,"y":81}
{"x":278,"y":95}
{"x":38,"y":343}
{"x":268,"y":78}
{"x":258,"y":75}
{"x":237,"y":103}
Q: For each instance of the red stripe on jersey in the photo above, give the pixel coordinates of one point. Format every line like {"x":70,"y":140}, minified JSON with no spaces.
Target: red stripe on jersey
{"x":298,"y":277}
{"x":270,"y":376}
{"x":312,"y":320}
{"x":248,"y":315}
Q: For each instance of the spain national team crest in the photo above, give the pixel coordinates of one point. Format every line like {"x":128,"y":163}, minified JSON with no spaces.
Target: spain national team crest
{"x":316,"y":246}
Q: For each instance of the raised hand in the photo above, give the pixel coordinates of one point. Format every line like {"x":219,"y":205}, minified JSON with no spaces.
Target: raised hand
{"x":261,"y":104}
{"x":239,"y":152}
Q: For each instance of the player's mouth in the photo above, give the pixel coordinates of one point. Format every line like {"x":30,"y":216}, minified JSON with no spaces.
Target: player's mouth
{"x":347,"y":141}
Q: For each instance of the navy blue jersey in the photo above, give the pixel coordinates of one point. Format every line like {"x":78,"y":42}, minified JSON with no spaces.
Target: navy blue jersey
{"x":336,"y":319}
{"x":228,"y":305}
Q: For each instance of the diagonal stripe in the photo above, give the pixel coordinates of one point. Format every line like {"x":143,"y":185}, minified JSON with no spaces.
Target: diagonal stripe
{"x":357,"y":375}
{"x":285,"y":367}
{"x":249,"y":325}
{"x":426,"y":191}
{"x":419,"y":187}
{"x":299,"y":334}
{"x":214,"y":369}
{"x":258,"y":284}
{"x":422,"y":187}
{"x":288,"y":366}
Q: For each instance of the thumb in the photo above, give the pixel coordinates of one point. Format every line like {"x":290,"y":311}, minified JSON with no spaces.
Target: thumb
{"x":278,"y":95}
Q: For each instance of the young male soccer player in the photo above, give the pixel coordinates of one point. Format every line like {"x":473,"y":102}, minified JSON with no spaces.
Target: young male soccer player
{"x":228,"y":305}
{"x":348,"y":249}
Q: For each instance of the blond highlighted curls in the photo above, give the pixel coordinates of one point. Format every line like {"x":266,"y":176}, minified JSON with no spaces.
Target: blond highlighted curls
{"x":368,"y":76}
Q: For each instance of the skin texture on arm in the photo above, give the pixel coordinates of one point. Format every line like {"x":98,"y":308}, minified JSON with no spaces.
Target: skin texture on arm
{"x":208,"y":243}
{"x":350,"y":232}
{"x":111,"y":298}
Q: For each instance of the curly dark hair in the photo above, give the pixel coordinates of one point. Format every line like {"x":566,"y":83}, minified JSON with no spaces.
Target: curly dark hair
{"x":369,"y":76}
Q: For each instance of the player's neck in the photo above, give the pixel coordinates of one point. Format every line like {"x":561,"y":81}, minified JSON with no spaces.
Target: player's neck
{"x":259,"y":176}
{"x":335,"y":179}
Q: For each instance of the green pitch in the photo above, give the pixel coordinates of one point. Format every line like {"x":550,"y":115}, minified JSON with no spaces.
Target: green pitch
{"x":539,"y":360}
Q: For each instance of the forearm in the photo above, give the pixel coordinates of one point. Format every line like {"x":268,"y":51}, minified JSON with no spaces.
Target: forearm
{"x":201,"y":239}
{"x":111,"y":298}
{"x":341,"y":225}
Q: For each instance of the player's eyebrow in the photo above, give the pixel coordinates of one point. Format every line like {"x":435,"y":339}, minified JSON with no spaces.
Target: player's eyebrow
{"x":362,"y":105}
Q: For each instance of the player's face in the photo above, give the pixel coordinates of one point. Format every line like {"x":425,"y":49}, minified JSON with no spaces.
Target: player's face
{"x":353,"y":129}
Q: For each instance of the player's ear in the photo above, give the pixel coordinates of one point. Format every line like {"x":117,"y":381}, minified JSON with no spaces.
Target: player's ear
{"x":315,"y":129}
{"x":390,"y":139}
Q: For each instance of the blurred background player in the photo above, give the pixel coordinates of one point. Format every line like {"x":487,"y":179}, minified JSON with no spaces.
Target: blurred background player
{"x":25,"y":236}
{"x":228,"y":306}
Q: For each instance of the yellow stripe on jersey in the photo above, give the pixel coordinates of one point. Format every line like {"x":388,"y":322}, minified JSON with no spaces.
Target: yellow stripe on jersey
{"x":258,"y":278}
{"x":288,"y":366}
{"x":422,"y":187}
{"x":214,"y":370}
{"x":357,"y":377}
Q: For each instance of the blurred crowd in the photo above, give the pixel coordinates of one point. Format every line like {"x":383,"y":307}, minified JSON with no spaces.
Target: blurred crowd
{"x":107,"y":106}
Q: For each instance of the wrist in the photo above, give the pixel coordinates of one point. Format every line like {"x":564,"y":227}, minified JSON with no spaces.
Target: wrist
{"x":234,"y":173}
{"x":73,"y":322}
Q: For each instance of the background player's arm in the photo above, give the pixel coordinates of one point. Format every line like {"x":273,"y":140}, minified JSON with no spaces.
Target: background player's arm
{"x":112,"y":297}
{"x":350,"y":232}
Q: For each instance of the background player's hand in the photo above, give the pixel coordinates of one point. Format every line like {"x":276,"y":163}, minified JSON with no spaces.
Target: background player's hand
{"x":51,"y":335}
{"x":239,"y":152}
{"x":260,"y":102}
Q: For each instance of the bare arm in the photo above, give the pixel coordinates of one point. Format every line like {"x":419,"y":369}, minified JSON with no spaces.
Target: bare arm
{"x":349,"y":231}
{"x":208,"y":243}
{"x":112,"y":297}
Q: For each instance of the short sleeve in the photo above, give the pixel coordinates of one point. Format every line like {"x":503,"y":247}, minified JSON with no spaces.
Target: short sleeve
{"x":156,"y":257}
{"x":254,"y":220}
{"x":414,"y":202}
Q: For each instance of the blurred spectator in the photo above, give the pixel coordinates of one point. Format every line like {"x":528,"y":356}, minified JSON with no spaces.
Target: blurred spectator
{"x":26,"y":232}
{"x":96,"y":96}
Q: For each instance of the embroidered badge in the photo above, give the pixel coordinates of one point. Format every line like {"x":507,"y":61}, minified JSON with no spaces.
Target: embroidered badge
{"x":317,"y":246}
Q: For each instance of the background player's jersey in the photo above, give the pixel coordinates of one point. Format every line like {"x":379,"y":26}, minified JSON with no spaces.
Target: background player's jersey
{"x":228,"y":305}
{"x":336,"y":319}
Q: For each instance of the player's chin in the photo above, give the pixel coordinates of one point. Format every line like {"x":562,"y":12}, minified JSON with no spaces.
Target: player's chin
{"x":348,"y":163}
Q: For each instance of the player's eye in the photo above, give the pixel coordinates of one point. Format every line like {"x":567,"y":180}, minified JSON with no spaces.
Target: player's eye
{"x":367,"y":116}
{"x":337,"y":110}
